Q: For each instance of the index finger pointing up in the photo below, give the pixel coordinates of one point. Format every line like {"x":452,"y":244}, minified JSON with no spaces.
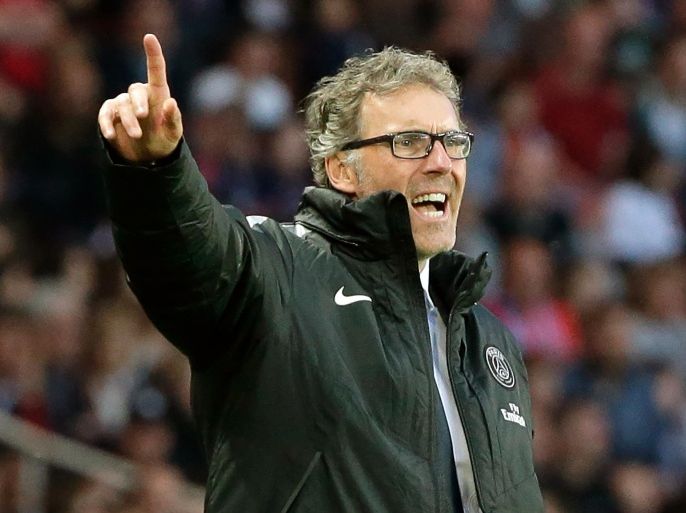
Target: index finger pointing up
{"x":157,"y":72}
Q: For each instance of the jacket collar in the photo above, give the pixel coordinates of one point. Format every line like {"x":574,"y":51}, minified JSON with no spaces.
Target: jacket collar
{"x":458,"y":280}
{"x":371,"y":224}
{"x":378,"y":226}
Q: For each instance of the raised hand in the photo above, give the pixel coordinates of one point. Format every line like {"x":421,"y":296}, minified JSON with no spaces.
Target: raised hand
{"x":144,"y":124}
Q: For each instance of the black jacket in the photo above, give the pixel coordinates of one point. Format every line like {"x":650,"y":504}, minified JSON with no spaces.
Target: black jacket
{"x":305,"y":405}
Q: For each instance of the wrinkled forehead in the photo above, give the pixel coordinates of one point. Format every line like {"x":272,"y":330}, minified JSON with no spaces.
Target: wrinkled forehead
{"x":411,"y":107}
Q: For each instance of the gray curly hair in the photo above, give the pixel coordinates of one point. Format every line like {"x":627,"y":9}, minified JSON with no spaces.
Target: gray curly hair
{"x":332,"y":109}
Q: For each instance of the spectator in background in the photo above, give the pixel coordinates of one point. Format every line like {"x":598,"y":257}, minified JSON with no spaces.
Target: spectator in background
{"x":237,"y":106}
{"x":578,"y":480}
{"x":500,"y":133}
{"x":269,"y":15}
{"x":397,"y":22}
{"x":460,"y":31}
{"x":486,"y":44}
{"x":22,"y":368}
{"x":546,"y":397}
{"x":117,"y":359}
{"x":289,"y":165}
{"x":203,"y":33}
{"x":495,"y":189}
{"x":670,"y":393}
{"x":659,"y":293}
{"x":336,"y":34}
{"x":544,"y":324}
{"x":625,"y":391}
{"x":637,"y":25}
{"x":636,"y":488}
{"x":169,"y":383}
{"x":661,"y":103}
{"x":531,"y":203}
{"x":123,"y":28}
{"x":60,"y":323}
{"x":53,"y":187}
{"x":224,"y":140}
{"x":580,"y":106}
{"x":639,"y":219}
{"x":28,"y":29}
{"x":590,"y":283}
{"x":249,"y":76}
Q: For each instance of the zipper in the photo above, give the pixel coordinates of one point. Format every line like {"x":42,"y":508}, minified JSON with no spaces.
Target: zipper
{"x":296,"y":491}
{"x":433,"y":400}
{"x":417,"y":295}
{"x":460,"y":410}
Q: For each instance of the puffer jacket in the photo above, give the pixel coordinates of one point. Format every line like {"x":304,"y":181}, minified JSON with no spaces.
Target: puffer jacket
{"x":312,"y":381}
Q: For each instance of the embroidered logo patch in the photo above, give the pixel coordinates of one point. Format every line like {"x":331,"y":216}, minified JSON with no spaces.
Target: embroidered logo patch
{"x":499,"y":367}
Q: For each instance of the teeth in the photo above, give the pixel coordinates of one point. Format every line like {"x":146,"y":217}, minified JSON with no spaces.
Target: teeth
{"x":434,"y":196}
{"x":437,"y":213}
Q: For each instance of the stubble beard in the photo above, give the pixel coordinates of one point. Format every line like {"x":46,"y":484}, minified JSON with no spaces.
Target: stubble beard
{"x":423,"y":252}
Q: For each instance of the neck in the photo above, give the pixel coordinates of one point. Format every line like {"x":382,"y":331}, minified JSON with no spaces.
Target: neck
{"x":422,"y":263}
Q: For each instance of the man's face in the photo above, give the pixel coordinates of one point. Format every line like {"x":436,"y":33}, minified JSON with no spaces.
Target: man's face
{"x":420,"y":108}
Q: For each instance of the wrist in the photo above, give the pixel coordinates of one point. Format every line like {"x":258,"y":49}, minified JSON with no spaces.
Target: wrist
{"x":163,"y":161}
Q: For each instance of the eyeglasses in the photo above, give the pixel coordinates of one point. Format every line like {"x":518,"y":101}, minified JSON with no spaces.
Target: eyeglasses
{"x":417,"y":145}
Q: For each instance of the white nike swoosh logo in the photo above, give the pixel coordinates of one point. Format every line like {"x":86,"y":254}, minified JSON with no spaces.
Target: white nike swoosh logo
{"x":341,"y":299}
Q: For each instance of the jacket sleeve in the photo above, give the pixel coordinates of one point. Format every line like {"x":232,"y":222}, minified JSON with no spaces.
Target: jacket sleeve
{"x":198,"y":269}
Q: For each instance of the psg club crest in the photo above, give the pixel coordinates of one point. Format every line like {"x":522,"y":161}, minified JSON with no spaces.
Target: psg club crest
{"x":499,"y":367}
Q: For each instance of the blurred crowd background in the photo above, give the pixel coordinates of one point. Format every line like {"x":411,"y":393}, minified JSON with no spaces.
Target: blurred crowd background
{"x":576,"y":187}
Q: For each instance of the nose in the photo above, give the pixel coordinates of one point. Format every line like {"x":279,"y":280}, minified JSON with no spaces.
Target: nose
{"x":438,"y":161}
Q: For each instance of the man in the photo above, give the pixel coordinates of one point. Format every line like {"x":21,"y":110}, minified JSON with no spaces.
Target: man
{"x":341,"y":364}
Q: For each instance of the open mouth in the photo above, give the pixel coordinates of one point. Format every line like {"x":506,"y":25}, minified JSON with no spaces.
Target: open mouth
{"x":431,"y":205}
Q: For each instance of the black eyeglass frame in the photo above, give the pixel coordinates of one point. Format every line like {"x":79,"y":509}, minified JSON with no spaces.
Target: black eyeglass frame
{"x":389,"y":138}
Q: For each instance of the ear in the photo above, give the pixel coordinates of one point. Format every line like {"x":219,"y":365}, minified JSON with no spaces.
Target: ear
{"x":342,"y":175}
